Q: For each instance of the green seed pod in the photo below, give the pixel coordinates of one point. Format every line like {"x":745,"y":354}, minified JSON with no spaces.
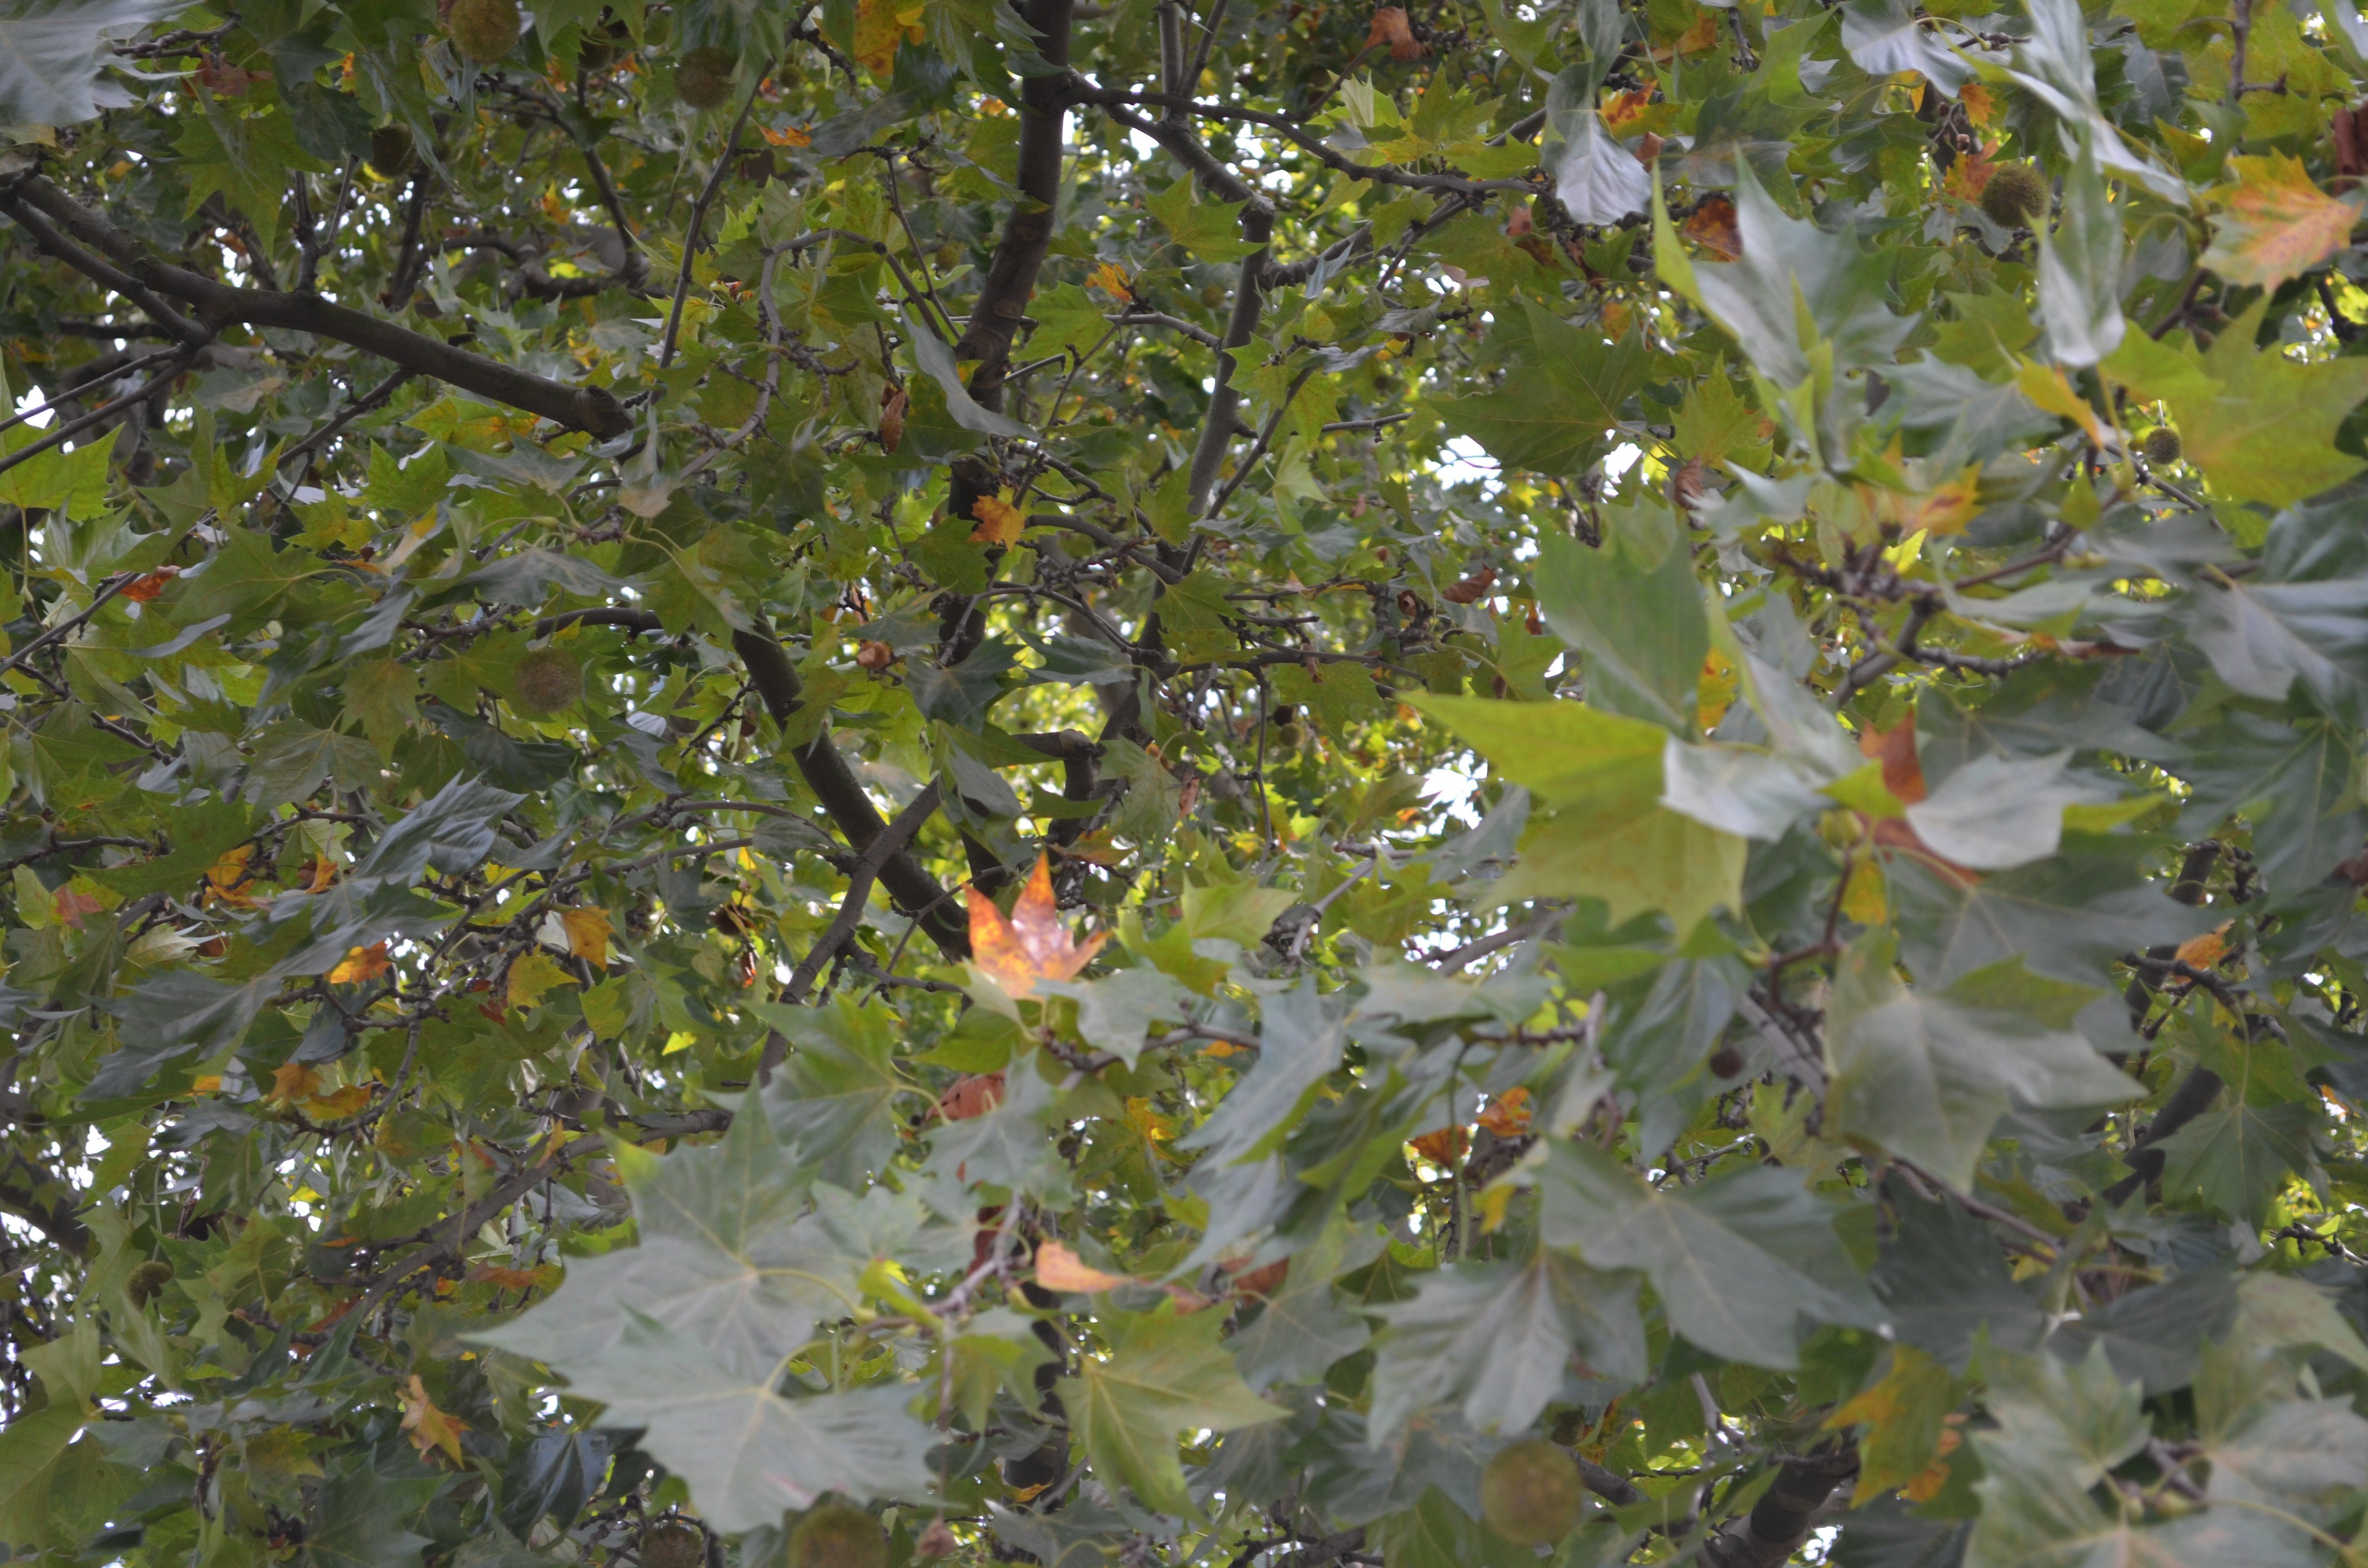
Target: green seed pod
{"x":670,"y":1543}
{"x":703,"y":79}
{"x":1530,"y":1493}
{"x":547,"y":681}
{"x":392,"y":151}
{"x":837,"y":1535}
{"x":2162,"y":445}
{"x":484,"y":30}
{"x":148,"y":1280}
{"x":2016,"y":196}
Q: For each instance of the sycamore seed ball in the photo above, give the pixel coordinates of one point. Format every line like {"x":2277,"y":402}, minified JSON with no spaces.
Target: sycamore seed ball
{"x":673,"y":1544}
{"x":547,"y":680}
{"x":391,"y":150}
{"x":1530,"y":1493}
{"x":837,"y":1535}
{"x":484,"y":30}
{"x":2163,"y":446}
{"x":2016,"y":196}
{"x":704,"y":78}
{"x":147,"y":1281}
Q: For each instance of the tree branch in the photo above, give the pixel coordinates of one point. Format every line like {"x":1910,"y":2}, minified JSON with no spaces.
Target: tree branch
{"x":35,"y":204}
{"x":892,"y":841}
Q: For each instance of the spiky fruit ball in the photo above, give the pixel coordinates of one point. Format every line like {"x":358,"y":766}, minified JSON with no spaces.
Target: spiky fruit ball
{"x":1530,"y":1493}
{"x":837,"y":1535}
{"x":2163,"y":446}
{"x":671,"y":1543}
{"x":147,"y":1281}
{"x":484,"y":30}
{"x":704,"y":78}
{"x":2016,"y":196}
{"x":393,"y":151}
{"x":547,"y":681}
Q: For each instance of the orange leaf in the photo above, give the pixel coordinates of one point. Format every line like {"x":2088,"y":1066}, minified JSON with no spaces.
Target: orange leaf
{"x":1981,"y":104}
{"x":973,"y":1094}
{"x":139,"y":590}
{"x":1903,"y":775}
{"x":429,"y":1427}
{"x":1391,"y":27}
{"x":587,"y":934}
{"x":1032,"y":944}
{"x":362,"y":965}
{"x":2274,"y":223}
{"x":1711,"y":226}
{"x":2203,"y":952}
{"x":1111,"y":280}
{"x":999,"y":522}
{"x":788,"y":136}
{"x":1968,"y":174}
{"x":894,"y":402}
{"x":1441,"y":1148}
{"x":325,"y":872}
{"x":1058,"y":1269}
{"x":512,"y":1279}
{"x":1624,"y":110}
{"x":1507,"y":1115}
{"x":72,"y":905}
{"x":1264,"y":1282}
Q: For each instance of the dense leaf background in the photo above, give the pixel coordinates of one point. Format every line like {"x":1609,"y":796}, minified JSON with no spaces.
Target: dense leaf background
{"x":1121,"y":777}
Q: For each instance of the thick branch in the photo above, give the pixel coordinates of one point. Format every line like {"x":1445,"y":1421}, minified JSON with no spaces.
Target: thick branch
{"x":1779,"y":1522}
{"x":911,"y":889}
{"x":32,"y":199}
{"x":1028,"y":232}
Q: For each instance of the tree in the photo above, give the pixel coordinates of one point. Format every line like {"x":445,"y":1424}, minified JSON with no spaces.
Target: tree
{"x":1058,"y":782}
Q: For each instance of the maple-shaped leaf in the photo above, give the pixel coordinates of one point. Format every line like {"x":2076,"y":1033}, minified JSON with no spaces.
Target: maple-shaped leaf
{"x":1032,"y":944}
{"x":1110,"y":278}
{"x":999,"y":522}
{"x":2274,"y":223}
{"x":2260,"y":425}
{"x":295,"y":1081}
{"x":531,"y":976}
{"x":428,"y":1427}
{"x":587,"y":934}
{"x":361,"y":965}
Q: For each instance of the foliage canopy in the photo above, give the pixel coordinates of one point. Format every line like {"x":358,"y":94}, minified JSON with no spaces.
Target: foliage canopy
{"x":1485,"y":783}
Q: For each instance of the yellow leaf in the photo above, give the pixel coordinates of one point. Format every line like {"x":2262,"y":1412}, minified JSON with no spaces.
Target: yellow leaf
{"x":208,"y":1085}
{"x":532,"y":975}
{"x":295,"y":1081}
{"x":2045,"y":385}
{"x":878,"y":35}
{"x":1981,"y":105}
{"x":787,"y":136}
{"x":1058,"y":1269}
{"x":587,"y":934}
{"x":1111,"y":280}
{"x":225,"y":876}
{"x":429,"y":1427}
{"x":339,"y":1104}
{"x":361,"y":965}
{"x":999,"y":522}
{"x":2274,"y":223}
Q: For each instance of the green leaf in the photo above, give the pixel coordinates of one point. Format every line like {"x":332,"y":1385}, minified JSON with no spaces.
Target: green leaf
{"x":835,"y":1097}
{"x":1303,"y":1328}
{"x":2261,"y":427}
{"x":1499,"y":1340}
{"x":365,"y":1521}
{"x":1634,"y":608}
{"x":2080,"y":268}
{"x":2293,"y":782}
{"x":1925,"y":1074}
{"x":1797,"y":286}
{"x":749,"y":1453}
{"x":1300,"y":1044}
{"x":1736,"y":1259}
{"x":1561,"y":399}
{"x":1164,"y":1375}
{"x":1210,"y":230}
{"x":293,"y":759}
